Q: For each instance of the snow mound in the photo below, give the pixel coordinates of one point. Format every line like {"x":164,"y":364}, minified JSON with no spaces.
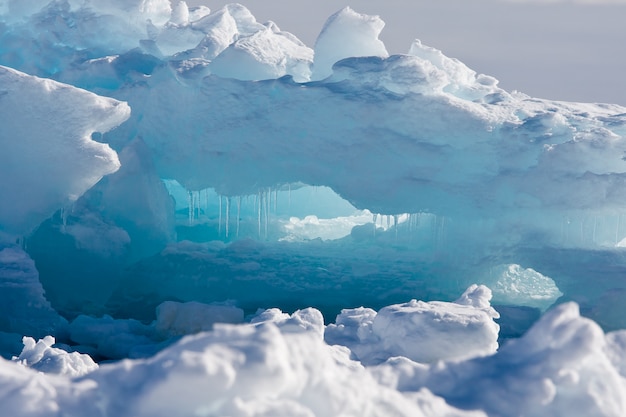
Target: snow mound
{"x":560,"y":367}
{"x":42,"y":357}
{"x":423,"y":332}
{"x":246,"y":370}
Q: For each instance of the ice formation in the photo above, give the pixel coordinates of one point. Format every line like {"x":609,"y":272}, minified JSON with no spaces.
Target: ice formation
{"x":256,"y":176}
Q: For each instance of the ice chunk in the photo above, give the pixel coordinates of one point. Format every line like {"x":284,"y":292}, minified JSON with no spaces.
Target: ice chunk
{"x":46,"y":146}
{"x":511,"y":284}
{"x":423,"y":332}
{"x":265,"y":54}
{"x":45,"y":358}
{"x":175,"y":319}
{"x":347,"y":34}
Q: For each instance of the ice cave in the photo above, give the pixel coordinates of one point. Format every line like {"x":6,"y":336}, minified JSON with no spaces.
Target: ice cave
{"x":202,"y":216}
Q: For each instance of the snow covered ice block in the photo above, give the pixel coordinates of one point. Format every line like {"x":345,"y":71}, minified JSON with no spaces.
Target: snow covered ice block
{"x":47,"y":154}
{"x":422,"y":331}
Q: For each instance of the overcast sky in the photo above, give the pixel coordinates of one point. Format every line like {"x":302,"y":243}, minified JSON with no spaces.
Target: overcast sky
{"x":558,"y":49}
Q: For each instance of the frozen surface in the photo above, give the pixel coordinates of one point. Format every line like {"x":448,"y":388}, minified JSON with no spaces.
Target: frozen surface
{"x":260,"y":188}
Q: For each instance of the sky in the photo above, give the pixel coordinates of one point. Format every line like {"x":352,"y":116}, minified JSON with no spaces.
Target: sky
{"x":573,"y":50}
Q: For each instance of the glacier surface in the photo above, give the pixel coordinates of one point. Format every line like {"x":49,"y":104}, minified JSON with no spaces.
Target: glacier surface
{"x":195,"y":196}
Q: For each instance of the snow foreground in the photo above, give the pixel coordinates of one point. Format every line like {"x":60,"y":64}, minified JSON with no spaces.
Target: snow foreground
{"x":291,"y":365}
{"x":167,"y":171}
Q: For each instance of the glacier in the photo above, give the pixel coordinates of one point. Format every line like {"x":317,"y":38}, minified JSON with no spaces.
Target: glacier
{"x":202,"y":215}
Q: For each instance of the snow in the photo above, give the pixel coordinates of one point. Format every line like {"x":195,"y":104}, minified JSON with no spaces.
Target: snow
{"x":423,"y":332}
{"x":199,"y":247}
{"x":558,"y":368}
{"x":280,"y":365}
{"x":42,"y":357}
{"x":347,"y":34}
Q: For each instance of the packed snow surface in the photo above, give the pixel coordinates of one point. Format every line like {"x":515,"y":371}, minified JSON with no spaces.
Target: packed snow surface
{"x":199,"y":245}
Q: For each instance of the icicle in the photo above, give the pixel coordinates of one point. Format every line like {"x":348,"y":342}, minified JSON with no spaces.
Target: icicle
{"x":395,"y":225}
{"x":63,"y":218}
{"x":388,"y":221}
{"x":206,"y":202}
{"x":289,"y":199}
{"x":582,"y":231}
{"x":442,"y":231}
{"x":238,"y":214}
{"x":258,"y":201}
{"x":190,"y":208}
{"x":219,"y":227}
{"x":276,"y":201}
{"x":227,"y":214}
{"x":267,"y":210}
